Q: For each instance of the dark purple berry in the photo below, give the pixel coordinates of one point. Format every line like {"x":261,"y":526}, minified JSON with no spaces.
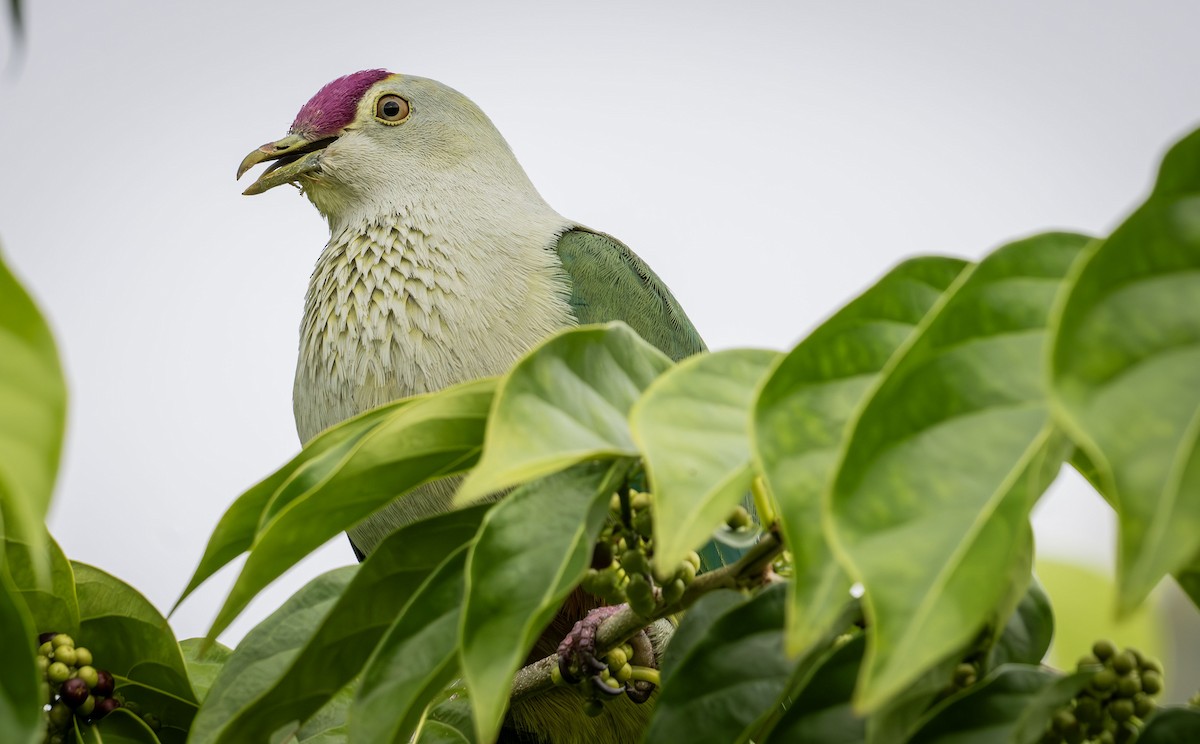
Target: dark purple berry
{"x":104,"y":683}
{"x":74,"y":691}
{"x":104,"y":707}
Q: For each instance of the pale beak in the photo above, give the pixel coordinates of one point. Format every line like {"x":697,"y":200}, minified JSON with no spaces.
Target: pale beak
{"x":295,"y":156}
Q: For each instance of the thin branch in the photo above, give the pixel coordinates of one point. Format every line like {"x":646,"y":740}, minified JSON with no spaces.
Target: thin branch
{"x":538,"y":676}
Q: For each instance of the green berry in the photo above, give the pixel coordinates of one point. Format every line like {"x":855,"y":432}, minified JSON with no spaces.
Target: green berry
{"x":673,"y":592}
{"x":1152,"y":682}
{"x":87,"y":707}
{"x":1129,"y":685}
{"x":617,"y":657}
{"x":1088,"y":710}
{"x":1105,"y":737}
{"x":42,"y":664}
{"x":1104,"y":680}
{"x":634,"y":562}
{"x":1124,"y":663}
{"x":1063,"y":720}
{"x":57,"y":673}
{"x":640,"y":595}
{"x":1121,"y":709}
{"x":65,"y":654}
{"x":83,"y":657}
{"x":1143,"y":706}
{"x":1086,"y":661}
{"x":1152,"y":665}
{"x":964,"y":675}
{"x":1126,"y":732}
{"x":739,"y":519}
{"x":638,"y":501}
{"x":693,"y":558}
{"x":62,"y":639}
{"x":643,"y":524}
{"x":686,"y":572}
{"x":46,"y":649}
{"x":1104,"y":649}
{"x":59,"y":715}
{"x":624,"y":673}
{"x":614,"y":504}
{"x":88,"y":675}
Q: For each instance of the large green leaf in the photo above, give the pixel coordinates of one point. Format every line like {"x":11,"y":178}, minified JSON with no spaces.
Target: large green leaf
{"x":932,"y":494}
{"x":692,"y":425}
{"x":448,"y":723}
{"x":1172,"y":726}
{"x":320,"y":458}
{"x":269,"y":648}
{"x":204,"y":660}
{"x":1027,"y":634}
{"x":121,"y":727}
{"x":988,"y":711}
{"x":1040,"y":708}
{"x":33,"y":405}
{"x":727,"y":677}
{"x":345,"y":638}
{"x":532,"y":550}
{"x":131,"y":639}
{"x":52,"y":606}
{"x":822,"y":711}
{"x":565,"y":402}
{"x":1125,"y":373}
{"x":431,"y":437}
{"x":800,"y":419}
{"x":328,"y":725}
{"x":415,"y":660}
{"x":20,"y":697}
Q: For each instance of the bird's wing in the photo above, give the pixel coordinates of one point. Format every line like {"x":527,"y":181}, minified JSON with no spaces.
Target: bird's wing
{"x":609,"y":282}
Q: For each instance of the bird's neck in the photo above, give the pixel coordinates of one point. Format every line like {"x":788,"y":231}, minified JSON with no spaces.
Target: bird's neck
{"x":423,"y":296}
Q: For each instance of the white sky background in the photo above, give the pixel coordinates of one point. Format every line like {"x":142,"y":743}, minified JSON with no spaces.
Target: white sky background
{"x":769,"y":162}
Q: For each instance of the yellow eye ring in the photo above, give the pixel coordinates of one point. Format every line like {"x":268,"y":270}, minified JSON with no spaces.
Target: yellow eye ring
{"x":391,"y":109}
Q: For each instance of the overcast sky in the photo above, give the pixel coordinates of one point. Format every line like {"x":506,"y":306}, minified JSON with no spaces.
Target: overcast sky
{"x":769,"y":162}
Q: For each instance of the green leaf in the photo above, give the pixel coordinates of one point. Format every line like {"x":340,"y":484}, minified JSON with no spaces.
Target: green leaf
{"x":901,"y":714}
{"x":986,"y":712}
{"x":822,"y":711}
{"x":266,"y":650}
{"x":800,"y":421}
{"x":33,"y":405}
{"x":343,"y":641}
{"x":20,"y":696}
{"x":119,"y":727}
{"x":1172,"y":726}
{"x":692,"y":425}
{"x":565,"y":402}
{"x":320,"y":458}
{"x":1028,"y":632}
{"x":726,"y":678}
{"x":932,"y":495}
{"x":53,"y":606}
{"x":1125,"y":374}
{"x":416,"y":659}
{"x":431,"y":437}
{"x":328,"y":725}
{"x":532,"y":550}
{"x":204,"y":661}
{"x":448,"y":723}
{"x":131,"y":639}
{"x":1033,"y":720}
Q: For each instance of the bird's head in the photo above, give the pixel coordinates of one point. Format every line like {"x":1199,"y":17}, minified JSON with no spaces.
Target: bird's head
{"x":373,"y":140}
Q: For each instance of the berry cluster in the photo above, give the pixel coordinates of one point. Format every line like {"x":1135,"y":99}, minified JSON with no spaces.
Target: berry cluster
{"x":72,"y":686}
{"x":620,"y":570}
{"x":1117,"y":699}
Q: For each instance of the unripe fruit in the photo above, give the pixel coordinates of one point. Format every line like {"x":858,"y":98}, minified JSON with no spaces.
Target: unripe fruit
{"x":1104,"y":680}
{"x":640,"y":595}
{"x":1125,"y":733}
{"x":739,"y":519}
{"x":62,"y":639}
{"x":1129,"y":685}
{"x":74,"y":691}
{"x":1063,"y":720}
{"x":643,"y":524}
{"x":88,"y":675}
{"x":614,"y":504}
{"x":87,"y":707}
{"x":1088,"y":710}
{"x":624,"y":673}
{"x":42,"y":664}
{"x":673,"y":592}
{"x":639,"y":501}
{"x":1085,"y":661}
{"x":1143,"y":706}
{"x":634,"y":562}
{"x":964,"y":675}
{"x":57,"y":673}
{"x":687,"y":572}
{"x":1124,"y":663}
{"x":83,"y":657}
{"x":104,"y":683}
{"x":1151,"y":665}
{"x":693,"y":558}
{"x":1105,"y":737}
{"x":1152,"y":682}
{"x":65,"y":654}
{"x":1121,"y":710}
{"x":104,"y":707}
{"x":1104,"y":649}
{"x":46,"y":649}
{"x":59,"y":715}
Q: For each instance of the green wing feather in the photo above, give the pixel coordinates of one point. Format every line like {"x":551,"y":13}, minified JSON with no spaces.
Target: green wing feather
{"x":609,"y":282}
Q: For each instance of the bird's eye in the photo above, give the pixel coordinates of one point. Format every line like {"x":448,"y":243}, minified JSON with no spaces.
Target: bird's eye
{"x":391,"y":109}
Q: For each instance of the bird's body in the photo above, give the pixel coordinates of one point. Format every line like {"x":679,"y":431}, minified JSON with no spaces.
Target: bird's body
{"x":444,"y":264}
